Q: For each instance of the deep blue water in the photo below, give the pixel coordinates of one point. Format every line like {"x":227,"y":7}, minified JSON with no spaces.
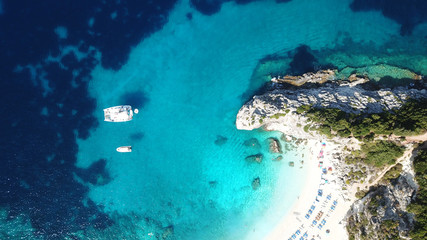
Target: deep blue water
{"x":41,"y":120}
{"x":46,"y":191}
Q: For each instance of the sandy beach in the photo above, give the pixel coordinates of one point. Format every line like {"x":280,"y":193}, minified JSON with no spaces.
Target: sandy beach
{"x":318,"y":211}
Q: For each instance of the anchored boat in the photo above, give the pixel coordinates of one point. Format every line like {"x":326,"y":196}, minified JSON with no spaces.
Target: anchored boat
{"x":124,"y":149}
{"x":122,"y":113}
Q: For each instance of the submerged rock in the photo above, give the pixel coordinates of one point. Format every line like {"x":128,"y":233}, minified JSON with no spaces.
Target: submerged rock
{"x":167,"y":233}
{"x":253,"y":143}
{"x":275,"y":146}
{"x":291,"y":164}
{"x":220,"y":140}
{"x":213,"y":183}
{"x":278,"y":158}
{"x":254,"y":158}
{"x":256,"y":183}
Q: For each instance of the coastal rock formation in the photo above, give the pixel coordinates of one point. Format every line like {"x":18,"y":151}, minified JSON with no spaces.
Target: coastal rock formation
{"x":278,"y":158}
{"x":274,"y":145}
{"x":278,"y":109}
{"x":213,"y":184}
{"x":167,"y":233}
{"x":319,"y":77}
{"x":256,"y":183}
{"x":382,"y":214}
{"x":254,"y":158}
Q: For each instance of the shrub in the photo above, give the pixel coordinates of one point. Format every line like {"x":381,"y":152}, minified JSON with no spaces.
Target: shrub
{"x":419,"y":207}
{"x":303,"y":108}
{"x":277,"y":115}
{"x":393,"y":173}
{"x":410,"y":119}
{"x":381,"y":153}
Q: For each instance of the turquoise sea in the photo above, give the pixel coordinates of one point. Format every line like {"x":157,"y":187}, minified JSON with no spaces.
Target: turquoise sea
{"x":187,"y":177}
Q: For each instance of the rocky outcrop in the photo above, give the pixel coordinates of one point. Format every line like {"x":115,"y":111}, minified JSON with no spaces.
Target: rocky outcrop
{"x":254,"y":158}
{"x":382,"y":214}
{"x":274,"y":145}
{"x":318,"y":77}
{"x":278,"y":109}
{"x":256,"y":183}
{"x":167,"y":233}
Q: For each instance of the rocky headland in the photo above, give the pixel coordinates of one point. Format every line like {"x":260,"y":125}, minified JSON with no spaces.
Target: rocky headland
{"x":376,"y":195}
{"x":382,"y":213}
{"x":280,"y":106}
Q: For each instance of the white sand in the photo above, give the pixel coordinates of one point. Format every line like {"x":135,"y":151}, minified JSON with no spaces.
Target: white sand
{"x":296,"y":219}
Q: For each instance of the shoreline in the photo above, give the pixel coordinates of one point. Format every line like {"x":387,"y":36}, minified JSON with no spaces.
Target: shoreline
{"x":296,"y":222}
{"x":282,"y":110}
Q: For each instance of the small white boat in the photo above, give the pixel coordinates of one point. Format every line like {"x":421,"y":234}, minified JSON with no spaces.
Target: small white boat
{"x":124,"y":149}
{"x":122,"y":113}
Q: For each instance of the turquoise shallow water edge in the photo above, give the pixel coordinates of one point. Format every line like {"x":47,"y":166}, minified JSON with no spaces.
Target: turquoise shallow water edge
{"x":192,"y":75}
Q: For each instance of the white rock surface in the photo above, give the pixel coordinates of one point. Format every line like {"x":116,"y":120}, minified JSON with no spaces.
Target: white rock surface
{"x":276,"y":110}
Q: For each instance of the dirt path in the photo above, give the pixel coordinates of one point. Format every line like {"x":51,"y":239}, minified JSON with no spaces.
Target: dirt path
{"x":366,"y":185}
{"x":418,"y":138}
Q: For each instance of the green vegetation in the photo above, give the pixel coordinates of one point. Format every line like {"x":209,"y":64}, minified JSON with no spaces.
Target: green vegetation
{"x":410,"y":119}
{"x":374,"y":203}
{"x":356,"y":176}
{"x":361,"y":226}
{"x":419,"y":207}
{"x":391,"y":174}
{"x":378,"y":153}
{"x":277,"y":115}
{"x":303,"y":108}
{"x":388,"y":230}
{"x":306,"y":128}
{"x":361,"y":193}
